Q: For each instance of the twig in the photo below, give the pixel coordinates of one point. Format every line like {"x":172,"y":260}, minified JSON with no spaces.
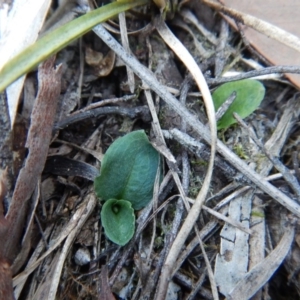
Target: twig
{"x":6,"y":153}
{"x":199,"y":283}
{"x":154,"y":204}
{"x":257,"y":179}
{"x":220,"y":49}
{"x":230,"y":221}
{"x":249,"y":46}
{"x":191,"y":18}
{"x":81,"y":72}
{"x":255,"y":73}
{"x":224,"y":107}
{"x":292,"y":180}
{"x":209,"y":269}
{"x":133,"y":112}
{"x":205,"y":54}
{"x":104,"y":102}
{"x":80,"y":148}
{"x":5,"y":137}
{"x":188,"y":283}
{"x":296,"y":164}
{"x":125,"y":43}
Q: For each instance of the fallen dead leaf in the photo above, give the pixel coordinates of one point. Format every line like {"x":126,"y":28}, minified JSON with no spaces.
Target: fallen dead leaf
{"x":280,"y":13}
{"x":105,"y":293}
{"x":102,"y":65}
{"x":38,"y":140}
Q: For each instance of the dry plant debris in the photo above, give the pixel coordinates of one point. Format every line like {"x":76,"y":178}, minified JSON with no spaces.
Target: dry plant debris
{"x":223,"y":221}
{"x":276,"y":13}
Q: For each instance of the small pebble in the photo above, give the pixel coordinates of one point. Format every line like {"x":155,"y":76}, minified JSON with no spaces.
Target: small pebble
{"x":82,"y":257}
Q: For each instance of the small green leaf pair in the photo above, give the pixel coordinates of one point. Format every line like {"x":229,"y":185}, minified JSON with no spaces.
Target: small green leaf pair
{"x":249,"y":94}
{"x":126,"y":183}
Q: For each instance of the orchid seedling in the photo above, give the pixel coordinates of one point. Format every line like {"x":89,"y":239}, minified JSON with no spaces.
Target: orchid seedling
{"x":126,"y":183}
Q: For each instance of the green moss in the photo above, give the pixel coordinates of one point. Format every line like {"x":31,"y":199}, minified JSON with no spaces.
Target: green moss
{"x":256,"y":213}
{"x":240,"y":151}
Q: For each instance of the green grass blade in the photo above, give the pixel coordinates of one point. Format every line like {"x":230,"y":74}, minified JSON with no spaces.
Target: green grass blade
{"x":60,"y":38}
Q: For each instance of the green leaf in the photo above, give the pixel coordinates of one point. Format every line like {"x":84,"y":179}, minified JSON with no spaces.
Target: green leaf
{"x":118,"y":220}
{"x":60,"y":38}
{"x":128,"y":170}
{"x":249,"y":94}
